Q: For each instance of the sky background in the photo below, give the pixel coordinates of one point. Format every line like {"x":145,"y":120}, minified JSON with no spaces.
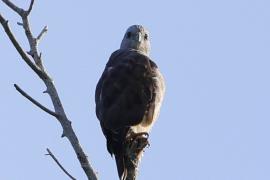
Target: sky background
{"x":215,"y":57}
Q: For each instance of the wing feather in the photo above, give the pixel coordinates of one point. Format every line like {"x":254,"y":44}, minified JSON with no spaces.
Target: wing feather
{"x":125,"y":90}
{"x":126,"y":96}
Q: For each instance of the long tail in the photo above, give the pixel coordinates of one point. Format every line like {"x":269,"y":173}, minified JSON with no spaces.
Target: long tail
{"x":120,"y":163}
{"x":128,"y":158}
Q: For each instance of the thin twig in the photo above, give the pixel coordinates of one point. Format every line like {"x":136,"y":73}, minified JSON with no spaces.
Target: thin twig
{"x":42,"y":33}
{"x":20,"y":11}
{"x":59,"y":164}
{"x":20,"y":24}
{"x":30,"y":7}
{"x":34,"y":101}
{"x":15,"y":8}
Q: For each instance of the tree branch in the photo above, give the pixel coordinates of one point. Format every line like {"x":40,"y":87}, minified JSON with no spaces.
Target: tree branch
{"x":15,"y":43}
{"x":34,"y":101}
{"x":30,"y":7}
{"x":42,"y":33}
{"x":15,"y":8}
{"x":32,"y":41}
{"x":133,"y":153}
{"x":59,"y":164}
{"x":38,"y":68}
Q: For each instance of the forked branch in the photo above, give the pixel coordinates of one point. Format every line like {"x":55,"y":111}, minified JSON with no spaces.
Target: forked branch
{"x":33,"y":59}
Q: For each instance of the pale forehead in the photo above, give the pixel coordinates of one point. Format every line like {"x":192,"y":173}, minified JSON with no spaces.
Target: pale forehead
{"x":137,"y":28}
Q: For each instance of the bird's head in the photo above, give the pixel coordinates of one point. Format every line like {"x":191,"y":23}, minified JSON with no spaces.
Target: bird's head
{"x":136,"y":37}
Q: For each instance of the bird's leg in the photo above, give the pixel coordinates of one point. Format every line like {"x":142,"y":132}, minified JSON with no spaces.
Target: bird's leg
{"x":135,"y":144}
{"x":133,"y":136}
{"x":137,"y":141}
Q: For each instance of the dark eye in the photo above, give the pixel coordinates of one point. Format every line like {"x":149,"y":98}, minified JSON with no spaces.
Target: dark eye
{"x":146,"y":37}
{"x":128,"y":34}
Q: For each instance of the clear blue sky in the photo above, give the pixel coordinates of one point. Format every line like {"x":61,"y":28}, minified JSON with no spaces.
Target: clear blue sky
{"x":215,"y":120}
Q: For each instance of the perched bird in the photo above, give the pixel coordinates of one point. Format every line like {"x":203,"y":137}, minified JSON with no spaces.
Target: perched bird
{"x":129,"y":94}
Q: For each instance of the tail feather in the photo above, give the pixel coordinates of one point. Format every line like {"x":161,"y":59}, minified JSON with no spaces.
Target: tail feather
{"x":120,"y":163}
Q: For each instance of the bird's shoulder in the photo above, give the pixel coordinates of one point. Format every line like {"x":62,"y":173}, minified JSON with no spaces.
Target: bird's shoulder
{"x":129,"y":56}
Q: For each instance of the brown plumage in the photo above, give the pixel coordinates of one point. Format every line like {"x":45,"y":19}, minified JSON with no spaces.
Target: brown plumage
{"x":128,"y":97}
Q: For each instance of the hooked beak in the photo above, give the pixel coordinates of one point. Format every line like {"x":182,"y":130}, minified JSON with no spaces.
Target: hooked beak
{"x":138,"y":37}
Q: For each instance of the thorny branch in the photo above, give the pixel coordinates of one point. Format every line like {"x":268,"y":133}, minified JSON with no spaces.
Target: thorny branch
{"x":34,"y":61}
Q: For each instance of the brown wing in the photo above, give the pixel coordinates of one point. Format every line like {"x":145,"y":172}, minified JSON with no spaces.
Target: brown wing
{"x":126,"y":95}
{"x":123,"y":94}
{"x":125,"y":89}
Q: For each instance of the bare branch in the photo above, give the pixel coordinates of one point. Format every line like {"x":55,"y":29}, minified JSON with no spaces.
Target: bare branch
{"x":51,"y":89}
{"x":18,"y":10}
{"x":32,"y":41}
{"x":133,"y":154}
{"x":20,"y":24}
{"x":24,"y":56}
{"x":30,"y":7}
{"x":34,"y":101}
{"x":59,"y":164}
{"x":15,"y":8}
{"x":42,"y":33}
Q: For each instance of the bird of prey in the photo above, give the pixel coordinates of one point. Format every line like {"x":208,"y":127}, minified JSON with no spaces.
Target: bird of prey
{"x":129,"y":94}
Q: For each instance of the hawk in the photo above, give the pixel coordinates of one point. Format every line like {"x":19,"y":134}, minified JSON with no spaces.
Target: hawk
{"x":129,"y":94}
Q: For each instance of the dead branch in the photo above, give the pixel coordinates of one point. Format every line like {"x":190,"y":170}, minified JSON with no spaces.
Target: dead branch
{"x":41,"y":34}
{"x":34,"y":61}
{"x":133,"y":153}
{"x":34,"y":101}
{"x":59,"y":164}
